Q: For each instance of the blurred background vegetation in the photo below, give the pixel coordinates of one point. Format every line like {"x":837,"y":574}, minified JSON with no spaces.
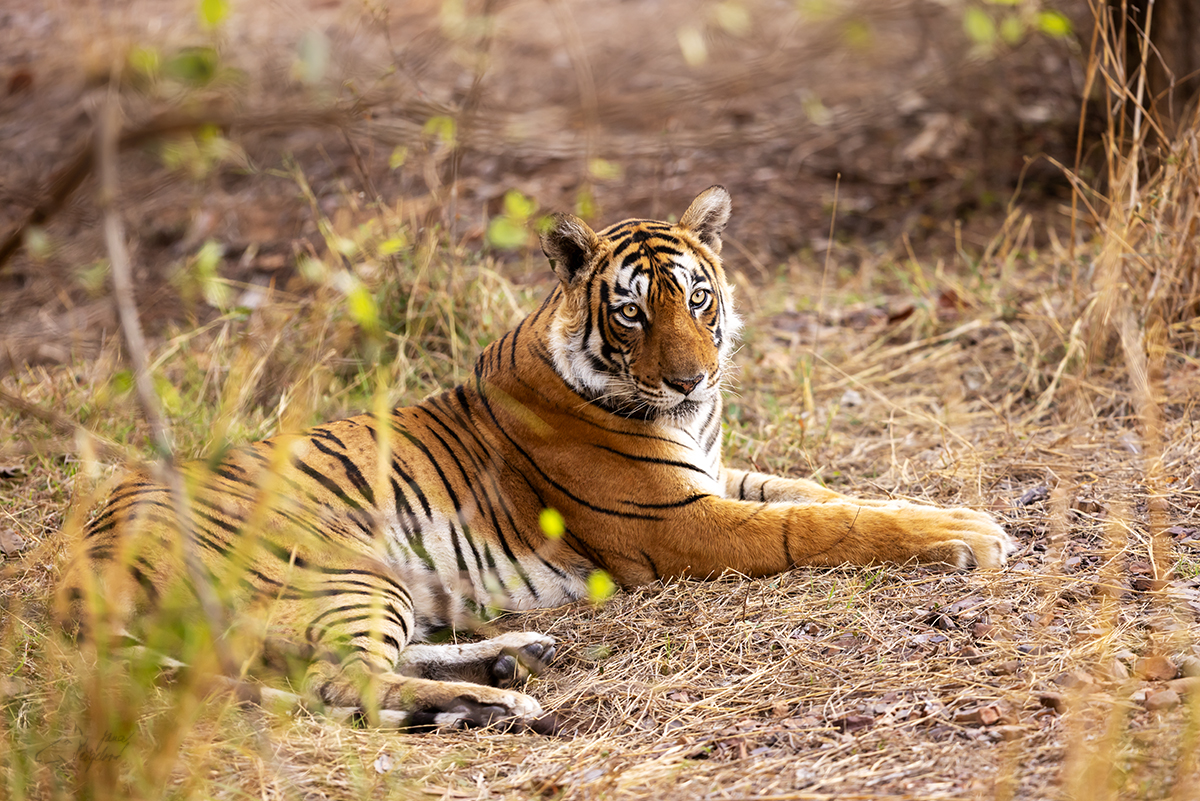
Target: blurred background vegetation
{"x":467,"y":120}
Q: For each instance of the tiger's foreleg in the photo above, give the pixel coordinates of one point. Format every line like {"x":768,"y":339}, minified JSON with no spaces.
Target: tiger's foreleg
{"x":744,"y":485}
{"x":741,"y":485}
{"x":711,"y":535}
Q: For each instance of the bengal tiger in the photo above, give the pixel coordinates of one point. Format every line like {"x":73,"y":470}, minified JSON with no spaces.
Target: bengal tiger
{"x":352,"y":541}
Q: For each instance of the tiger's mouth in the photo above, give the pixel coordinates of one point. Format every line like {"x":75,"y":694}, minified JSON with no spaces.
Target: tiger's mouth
{"x":682,"y":410}
{"x":640,"y":406}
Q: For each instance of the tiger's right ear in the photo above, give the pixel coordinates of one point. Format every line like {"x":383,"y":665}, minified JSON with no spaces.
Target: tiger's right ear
{"x":568,"y":243}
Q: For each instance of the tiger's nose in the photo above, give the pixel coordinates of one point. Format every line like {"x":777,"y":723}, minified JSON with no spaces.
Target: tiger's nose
{"x":684,"y":385}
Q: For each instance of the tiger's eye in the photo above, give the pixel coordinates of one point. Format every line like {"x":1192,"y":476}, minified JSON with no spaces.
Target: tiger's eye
{"x":630,"y":311}
{"x":699,"y":296}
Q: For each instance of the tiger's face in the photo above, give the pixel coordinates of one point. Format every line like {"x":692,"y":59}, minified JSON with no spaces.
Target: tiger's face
{"x":646,"y":325}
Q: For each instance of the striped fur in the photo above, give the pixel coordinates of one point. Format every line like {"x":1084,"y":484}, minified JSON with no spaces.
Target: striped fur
{"x":348,"y":544}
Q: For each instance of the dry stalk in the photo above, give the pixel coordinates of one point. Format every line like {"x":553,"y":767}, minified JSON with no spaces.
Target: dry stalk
{"x":135,"y":344}
{"x":163,"y":467}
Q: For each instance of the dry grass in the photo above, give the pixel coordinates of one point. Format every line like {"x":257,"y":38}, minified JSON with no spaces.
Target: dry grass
{"x":1051,"y":379}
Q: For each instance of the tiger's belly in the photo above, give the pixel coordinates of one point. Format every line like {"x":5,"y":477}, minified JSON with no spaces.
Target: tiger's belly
{"x":459,"y":573}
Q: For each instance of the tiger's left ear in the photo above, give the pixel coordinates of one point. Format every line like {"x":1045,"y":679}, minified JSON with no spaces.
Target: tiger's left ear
{"x":707,"y":216}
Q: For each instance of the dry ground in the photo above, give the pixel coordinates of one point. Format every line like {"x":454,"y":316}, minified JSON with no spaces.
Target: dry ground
{"x":986,"y":369}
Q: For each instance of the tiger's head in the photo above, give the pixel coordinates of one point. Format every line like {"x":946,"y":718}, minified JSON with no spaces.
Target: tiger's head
{"x":645,"y":326}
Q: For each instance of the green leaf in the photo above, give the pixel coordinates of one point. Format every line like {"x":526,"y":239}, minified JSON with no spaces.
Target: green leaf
{"x":858,"y":34}
{"x":398,"y":157}
{"x":313,"y":270}
{"x":816,"y":111}
{"x":37,"y":242}
{"x":444,"y":129}
{"x":517,"y":206}
{"x":213,"y":12}
{"x":145,"y":60}
{"x":94,"y":277}
{"x":208,"y":257}
{"x":1012,"y":30}
{"x":212,"y":287}
{"x":506,"y":234}
{"x":733,"y":17}
{"x":121,"y":382}
{"x":604,"y":170}
{"x":1053,"y":24}
{"x":217,"y":293}
{"x":600,"y":586}
{"x":392,"y":245}
{"x":362,"y":307}
{"x":168,"y":396}
{"x":552,"y":523}
{"x":192,"y":65}
{"x":816,"y":10}
{"x":585,"y":203}
{"x":979,"y":26}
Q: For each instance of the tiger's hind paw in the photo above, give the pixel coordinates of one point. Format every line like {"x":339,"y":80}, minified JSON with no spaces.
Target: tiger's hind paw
{"x":529,"y":655}
{"x":503,"y":661}
{"x":484,"y":707}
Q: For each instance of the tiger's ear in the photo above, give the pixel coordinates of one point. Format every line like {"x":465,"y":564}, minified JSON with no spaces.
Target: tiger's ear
{"x":707,"y":216}
{"x":568,"y":243}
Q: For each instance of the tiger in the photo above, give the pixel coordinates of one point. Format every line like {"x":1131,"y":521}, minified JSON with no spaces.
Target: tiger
{"x":352,"y":543}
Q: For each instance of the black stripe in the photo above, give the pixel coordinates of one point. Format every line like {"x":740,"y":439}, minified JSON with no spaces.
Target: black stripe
{"x":372,"y":611}
{"x":653,"y":567}
{"x":325,"y":433}
{"x":484,"y":504}
{"x":688,"y":501}
{"x":325,"y":482}
{"x":411,"y":529}
{"x":351,"y":469}
{"x":386,"y":639}
{"x":410,"y":482}
{"x":654,"y":460}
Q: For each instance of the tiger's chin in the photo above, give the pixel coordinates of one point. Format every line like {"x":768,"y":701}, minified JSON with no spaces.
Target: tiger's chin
{"x":685,"y":409}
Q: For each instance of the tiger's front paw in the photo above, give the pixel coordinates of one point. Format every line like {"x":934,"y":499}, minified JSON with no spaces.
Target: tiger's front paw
{"x":958,"y":537}
{"x":523,"y":654}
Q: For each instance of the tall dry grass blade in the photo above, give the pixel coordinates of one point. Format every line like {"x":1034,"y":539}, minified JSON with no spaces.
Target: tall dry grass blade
{"x":135,"y":343}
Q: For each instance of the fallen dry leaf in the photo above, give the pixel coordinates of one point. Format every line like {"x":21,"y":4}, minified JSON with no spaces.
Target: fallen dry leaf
{"x":11,"y":543}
